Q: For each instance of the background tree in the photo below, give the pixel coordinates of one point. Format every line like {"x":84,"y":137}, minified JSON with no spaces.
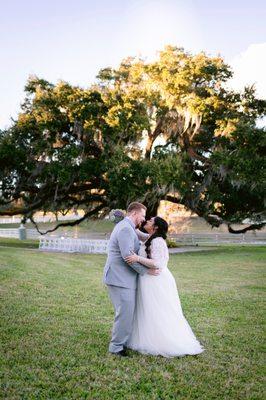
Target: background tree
{"x":168,"y":129}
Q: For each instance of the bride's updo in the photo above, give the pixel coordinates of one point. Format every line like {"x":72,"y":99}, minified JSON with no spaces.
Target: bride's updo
{"x":161,"y":231}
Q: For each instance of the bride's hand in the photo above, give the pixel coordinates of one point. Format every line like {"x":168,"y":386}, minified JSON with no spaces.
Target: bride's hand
{"x":154,"y":272}
{"x":132,"y":259}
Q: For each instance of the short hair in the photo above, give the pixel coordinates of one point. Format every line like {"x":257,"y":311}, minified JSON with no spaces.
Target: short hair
{"x":135,"y":206}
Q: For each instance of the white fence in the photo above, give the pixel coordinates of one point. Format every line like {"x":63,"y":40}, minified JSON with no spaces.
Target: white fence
{"x":9,"y":233}
{"x":70,"y":245}
{"x":41,"y":218}
{"x":14,"y":233}
{"x":220,"y":238}
{"x":88,"y":245}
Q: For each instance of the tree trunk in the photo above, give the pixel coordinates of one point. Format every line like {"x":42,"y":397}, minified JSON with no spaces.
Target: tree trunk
{"x":151,"y":138}
{"x":152,"y":208}
{"x":149,"y":147}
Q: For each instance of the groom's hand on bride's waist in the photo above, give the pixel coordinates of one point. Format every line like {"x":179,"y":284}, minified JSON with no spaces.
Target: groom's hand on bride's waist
{"x":154,"y":272}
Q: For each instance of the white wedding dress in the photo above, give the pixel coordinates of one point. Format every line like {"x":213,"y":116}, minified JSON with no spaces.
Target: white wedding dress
{"x":160,"y":327}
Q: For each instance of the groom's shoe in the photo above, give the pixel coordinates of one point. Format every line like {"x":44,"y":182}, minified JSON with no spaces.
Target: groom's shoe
{"x":121,"y":353}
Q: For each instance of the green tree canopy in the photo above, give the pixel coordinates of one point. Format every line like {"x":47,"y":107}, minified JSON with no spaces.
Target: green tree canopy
{"x":169,"y":129}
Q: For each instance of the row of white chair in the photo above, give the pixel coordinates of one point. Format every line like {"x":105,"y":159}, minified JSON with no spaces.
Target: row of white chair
{"x":71,"y":245}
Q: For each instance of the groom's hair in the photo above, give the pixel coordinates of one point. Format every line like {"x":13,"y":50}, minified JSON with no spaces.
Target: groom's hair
{"x":135,"y":206}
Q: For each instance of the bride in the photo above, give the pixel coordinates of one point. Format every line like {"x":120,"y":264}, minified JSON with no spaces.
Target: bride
{"x":159,"y":327}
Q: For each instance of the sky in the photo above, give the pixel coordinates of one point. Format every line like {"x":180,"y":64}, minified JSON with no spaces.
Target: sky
{"x":72,"y":40}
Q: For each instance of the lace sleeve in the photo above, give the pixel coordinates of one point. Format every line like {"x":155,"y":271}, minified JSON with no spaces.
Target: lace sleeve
{"x":141,"y":235}
{"x":159,"y":253}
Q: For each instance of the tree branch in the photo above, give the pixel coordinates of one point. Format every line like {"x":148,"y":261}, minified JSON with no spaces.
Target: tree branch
{"x":73,"y":223}
{"x":251,"y":227}
{"x":173,"y":199}
{"x":152,"y":136}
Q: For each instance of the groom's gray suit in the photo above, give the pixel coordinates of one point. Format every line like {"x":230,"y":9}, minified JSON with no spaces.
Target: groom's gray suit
{"x":121,"y":281}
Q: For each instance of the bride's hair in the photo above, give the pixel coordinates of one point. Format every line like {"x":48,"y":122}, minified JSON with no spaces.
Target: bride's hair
{"x":161,"y":231}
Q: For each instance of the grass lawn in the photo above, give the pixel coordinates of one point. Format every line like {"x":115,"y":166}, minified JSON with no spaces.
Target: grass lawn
{"x":56,"y":320}
{"x":12,"y":242}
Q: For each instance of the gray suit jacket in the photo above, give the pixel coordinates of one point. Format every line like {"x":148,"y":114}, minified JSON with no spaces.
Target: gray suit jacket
{"x":116,"y":271}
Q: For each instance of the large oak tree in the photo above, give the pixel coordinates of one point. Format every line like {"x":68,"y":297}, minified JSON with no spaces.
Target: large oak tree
{"x":169,"y":129}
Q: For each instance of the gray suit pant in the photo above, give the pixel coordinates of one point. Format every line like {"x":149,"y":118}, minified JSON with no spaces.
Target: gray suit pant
{"x":123,"y":300}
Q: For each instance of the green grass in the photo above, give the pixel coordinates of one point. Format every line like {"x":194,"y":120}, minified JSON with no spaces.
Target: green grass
{"x":56,"y":319}
{"x":12,"y":242}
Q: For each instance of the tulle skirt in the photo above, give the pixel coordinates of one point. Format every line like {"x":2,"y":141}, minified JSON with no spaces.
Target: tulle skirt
{"x":160,"y":327}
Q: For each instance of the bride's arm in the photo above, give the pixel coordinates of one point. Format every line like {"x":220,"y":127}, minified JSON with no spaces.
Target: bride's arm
{"x":135,"y":258}
{"x":148,"y":262}
{"x":141,"y":235}
{"x":159,"y":253}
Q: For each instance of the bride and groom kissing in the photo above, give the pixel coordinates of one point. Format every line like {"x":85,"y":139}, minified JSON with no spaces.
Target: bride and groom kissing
{"x":148,"y":313}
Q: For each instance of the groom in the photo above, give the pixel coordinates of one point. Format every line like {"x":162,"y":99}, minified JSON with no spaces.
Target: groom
{"x":121,"y":278}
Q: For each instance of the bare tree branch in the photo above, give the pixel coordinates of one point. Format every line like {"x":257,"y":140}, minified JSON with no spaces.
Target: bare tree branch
{"x":72,"y":223}
{"x":251,"y":227}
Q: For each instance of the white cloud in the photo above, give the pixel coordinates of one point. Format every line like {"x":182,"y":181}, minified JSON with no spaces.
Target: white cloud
{"x":250,"y":68}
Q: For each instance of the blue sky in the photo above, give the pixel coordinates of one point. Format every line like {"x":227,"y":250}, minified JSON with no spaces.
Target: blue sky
{"x":72,"y":40}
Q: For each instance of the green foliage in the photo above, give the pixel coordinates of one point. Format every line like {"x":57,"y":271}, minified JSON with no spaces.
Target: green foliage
{"x":239,"y":185}
{"x":171,"y":244}
{"x":168,"y":129}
